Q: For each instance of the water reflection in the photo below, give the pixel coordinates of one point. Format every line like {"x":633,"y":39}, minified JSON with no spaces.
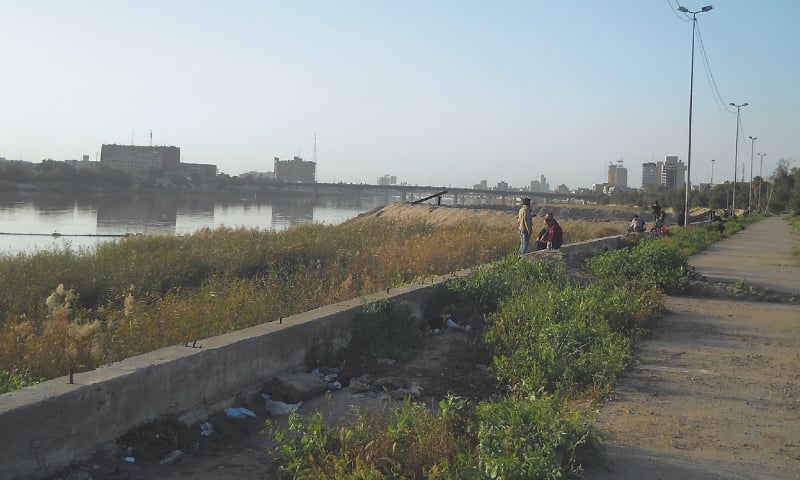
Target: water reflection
{"x":27,"y":221}
{"x":291,"y":211}
{"x":140,"y":214}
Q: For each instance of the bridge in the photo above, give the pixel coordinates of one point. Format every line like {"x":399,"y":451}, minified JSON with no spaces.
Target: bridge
{"x":446,"y":195}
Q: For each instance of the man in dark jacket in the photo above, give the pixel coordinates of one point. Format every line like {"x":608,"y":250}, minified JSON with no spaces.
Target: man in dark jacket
{"x":551,"y":235}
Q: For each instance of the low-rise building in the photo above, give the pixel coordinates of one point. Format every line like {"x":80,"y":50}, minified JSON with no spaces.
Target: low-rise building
{"x":295,"y":170}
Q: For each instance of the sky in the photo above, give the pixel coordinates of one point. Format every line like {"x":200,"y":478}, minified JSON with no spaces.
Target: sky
{"x":434,"y":92}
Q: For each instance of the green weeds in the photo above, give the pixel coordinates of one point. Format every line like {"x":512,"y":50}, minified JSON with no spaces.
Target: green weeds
{"x":549,"y":341}
{"x":10,"y":381}
{"x":552,"y":343}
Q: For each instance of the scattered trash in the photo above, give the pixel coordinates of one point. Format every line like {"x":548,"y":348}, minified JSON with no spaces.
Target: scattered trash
{"x":332,"y":378}
{"x":130,"y":459}
{"x":360,"y":384}
{"x":378,"y":395}
{"x":206,"y":429}
{"x":171,"y":457}
{"x":436,"y":331}
{"x":239,"y":412}
{"x":386,"y":361}
{"x":276,"y":407}
{"x":452,"y":324}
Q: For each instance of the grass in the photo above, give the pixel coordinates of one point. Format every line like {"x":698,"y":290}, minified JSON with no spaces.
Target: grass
{"x":795,"y":222}
{"x":68,"y":309}
{"x":551,"y":342}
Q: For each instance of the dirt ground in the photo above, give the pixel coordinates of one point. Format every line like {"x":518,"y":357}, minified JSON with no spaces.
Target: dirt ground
{"x":715,"y":390}
{"x":714,"y":394}
{"x":239,"y":448}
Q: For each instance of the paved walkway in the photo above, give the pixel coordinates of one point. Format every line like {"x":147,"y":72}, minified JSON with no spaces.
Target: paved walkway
{"x":760,"y":255}
{"x":715,"y":391}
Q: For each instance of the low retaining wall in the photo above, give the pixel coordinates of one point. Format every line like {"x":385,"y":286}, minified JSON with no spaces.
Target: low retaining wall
{"x":50,"y":425}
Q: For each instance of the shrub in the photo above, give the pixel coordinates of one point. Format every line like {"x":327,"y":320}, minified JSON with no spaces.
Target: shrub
{"x":533,"y":437}
{"x":651,"y":263}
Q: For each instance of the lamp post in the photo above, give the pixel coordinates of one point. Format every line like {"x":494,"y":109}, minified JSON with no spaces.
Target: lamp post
{"x":750,"y":195}
{"x":736,"y":158}
{"x":760,"y":177}
{"x":691,"y":87}
{"x":712,"y":172}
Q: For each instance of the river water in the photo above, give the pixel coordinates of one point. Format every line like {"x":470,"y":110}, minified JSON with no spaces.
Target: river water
{"x":28,"y":222}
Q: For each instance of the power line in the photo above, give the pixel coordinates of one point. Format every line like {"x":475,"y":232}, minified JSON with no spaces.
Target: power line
{"x":710,"y":76}
{"x":674,"y":10}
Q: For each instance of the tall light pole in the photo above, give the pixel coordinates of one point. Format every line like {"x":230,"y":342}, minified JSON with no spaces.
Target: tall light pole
{"x":750,"y":196}
{"x":712,"y":172}
{"x":691,"y":91}
{"x":760,"y":177}
{"x":736,"y":158}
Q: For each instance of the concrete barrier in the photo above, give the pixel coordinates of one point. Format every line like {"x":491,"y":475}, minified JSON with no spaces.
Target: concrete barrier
{"x":50,"y":425}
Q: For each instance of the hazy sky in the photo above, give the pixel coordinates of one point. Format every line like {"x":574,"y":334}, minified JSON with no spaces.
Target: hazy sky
{"x":433,"y":92}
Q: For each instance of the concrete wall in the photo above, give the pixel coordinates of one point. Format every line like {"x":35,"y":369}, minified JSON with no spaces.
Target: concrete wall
{"x":47,"y":426}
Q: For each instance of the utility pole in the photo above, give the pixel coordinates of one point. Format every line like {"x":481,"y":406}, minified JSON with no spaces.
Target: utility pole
{"x":712,"y":172}
{"x":691,"y":91}
{"x":750,"y":195}
{"x":736,"y":158}
{"x":760,"y":177}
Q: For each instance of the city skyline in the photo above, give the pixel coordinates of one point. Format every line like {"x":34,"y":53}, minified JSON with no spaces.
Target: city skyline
{"x":445,"y":93}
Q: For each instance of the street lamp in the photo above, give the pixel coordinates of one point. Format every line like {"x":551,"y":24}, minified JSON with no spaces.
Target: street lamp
{"x":760,"y":177}
{"x":712,"y":172}
{"x":691,"y":87}
{"x":750,"y":196}
{"x":736,"y":158}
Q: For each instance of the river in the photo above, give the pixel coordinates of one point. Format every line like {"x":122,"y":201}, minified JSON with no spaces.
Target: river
{"x":30,"y":223}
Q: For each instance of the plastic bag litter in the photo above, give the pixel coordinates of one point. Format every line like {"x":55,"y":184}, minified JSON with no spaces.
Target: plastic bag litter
{"x":239,"y":412}
{"x":206,"y":429}
{"x":171,"y":457}
{"x":452,"y":324}
{"x":276,"y":407}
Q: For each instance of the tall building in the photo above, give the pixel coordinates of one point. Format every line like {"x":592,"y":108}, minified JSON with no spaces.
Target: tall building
{"x":387,"y":180}
{"x":483,"y":185}
{"x":138,"y":160}
{"x":650,"y":176}
{"x":540,"y":185}
{"x":295,"y":170}
{"x":670,"y":174}
{"x":618,"y":176}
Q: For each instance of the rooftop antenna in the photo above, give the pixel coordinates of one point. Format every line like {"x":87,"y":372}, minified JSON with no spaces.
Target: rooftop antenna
{"x":315,"y":147}
{"x":133,"y":133}
{"x":151,"y":137}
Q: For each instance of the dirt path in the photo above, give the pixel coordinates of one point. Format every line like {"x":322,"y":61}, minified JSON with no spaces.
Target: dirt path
{"x":715,"y":392}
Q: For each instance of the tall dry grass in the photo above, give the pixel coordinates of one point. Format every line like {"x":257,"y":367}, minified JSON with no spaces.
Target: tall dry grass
{"x":68,"y":310}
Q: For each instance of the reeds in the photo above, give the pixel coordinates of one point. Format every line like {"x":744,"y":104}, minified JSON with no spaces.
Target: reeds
{"x":65,"y":310}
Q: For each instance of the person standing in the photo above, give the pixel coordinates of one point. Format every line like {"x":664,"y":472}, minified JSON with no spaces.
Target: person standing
{"x":656,"y":211}
{"x":525,"y":225}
